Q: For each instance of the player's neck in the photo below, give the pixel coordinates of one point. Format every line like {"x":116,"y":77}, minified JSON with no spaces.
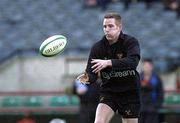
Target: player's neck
{"x":112,"y":42}
{"x":115,"y":39}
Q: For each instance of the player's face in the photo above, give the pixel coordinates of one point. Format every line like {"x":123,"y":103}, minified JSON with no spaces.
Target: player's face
{"x":111,"y":29}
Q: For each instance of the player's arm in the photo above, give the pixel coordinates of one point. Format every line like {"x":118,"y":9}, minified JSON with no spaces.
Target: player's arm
{"x":89,"y":76}
{"x":129,"y":62}
{"x":133,"y":56}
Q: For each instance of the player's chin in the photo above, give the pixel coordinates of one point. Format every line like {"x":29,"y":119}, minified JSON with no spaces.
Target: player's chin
{"x":109,"y":38}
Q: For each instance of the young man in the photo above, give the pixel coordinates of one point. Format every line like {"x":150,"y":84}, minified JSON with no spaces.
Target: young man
{"x":115,"y":57}
{"x":151,"y":93}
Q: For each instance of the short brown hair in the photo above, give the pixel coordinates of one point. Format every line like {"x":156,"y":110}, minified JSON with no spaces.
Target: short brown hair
{"x":114,"y":15}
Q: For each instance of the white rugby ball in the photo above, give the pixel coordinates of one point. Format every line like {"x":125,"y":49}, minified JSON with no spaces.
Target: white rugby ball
{"x":53,"y":45}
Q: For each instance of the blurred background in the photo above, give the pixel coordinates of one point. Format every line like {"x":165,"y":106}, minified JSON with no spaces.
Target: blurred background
{"x":37,"y":89}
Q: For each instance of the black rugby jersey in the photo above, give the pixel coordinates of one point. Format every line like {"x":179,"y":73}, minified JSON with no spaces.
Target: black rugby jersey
{"x":125,"y":56}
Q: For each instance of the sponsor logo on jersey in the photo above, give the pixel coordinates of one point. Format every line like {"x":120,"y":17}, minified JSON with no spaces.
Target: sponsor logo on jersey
{"x":114,"y":74}
{"x":119,"y":55}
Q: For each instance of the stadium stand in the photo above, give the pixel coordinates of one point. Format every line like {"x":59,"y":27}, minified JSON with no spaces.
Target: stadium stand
{"x":25,"y":24}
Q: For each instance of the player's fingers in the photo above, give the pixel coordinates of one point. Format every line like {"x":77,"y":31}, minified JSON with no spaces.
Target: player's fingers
{"x":95,"y":61}
{"x":97,"y":69}
{"x":85,"y":83}
{"x":84,"y":80}
{"x":80,"y":76}
{"x":96,"y":65}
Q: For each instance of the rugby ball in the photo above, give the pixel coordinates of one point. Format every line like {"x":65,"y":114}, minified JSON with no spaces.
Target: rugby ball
{"x":53,"y":45}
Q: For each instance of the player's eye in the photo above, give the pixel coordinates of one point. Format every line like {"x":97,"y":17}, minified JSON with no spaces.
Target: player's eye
{"x":110,"y":26}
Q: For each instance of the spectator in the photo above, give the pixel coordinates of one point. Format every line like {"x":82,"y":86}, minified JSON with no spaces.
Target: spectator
{"x":151,"y":93}
{"x":126,"y":4}
{"x":26,"y":120}
{"x":148,"y":3}
{"x":173,"y":5}
{"x":57,"y":120}
{"x":90,"y":3}
{"x":97,"y":3}
{"x":103,"y":3}
{"x":89,"y":97}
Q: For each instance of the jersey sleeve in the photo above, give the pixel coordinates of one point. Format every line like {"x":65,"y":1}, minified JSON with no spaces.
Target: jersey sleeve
{"x":133,"y":56}
{"x":93,"y":55}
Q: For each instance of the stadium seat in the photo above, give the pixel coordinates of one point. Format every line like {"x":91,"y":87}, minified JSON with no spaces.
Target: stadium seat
{"x":33,"y":101}
{"x":60,"y":101}
{"x":172,"y":99}
{"x":11,"y":101}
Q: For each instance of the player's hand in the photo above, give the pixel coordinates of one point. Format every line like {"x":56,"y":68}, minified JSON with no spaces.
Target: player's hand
{"x":100,"y":64}
{"x":83,"y":78}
